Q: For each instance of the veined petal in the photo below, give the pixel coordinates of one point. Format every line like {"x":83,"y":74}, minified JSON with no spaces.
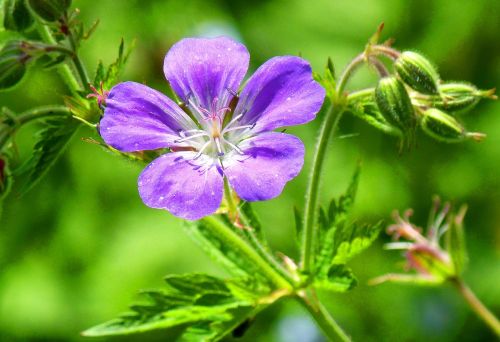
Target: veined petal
{"x":139,"y":118}
{"x":269,"y":161}
{"x":205,"y":68}
{"x":280,"y":93}
{"x":188,"y":188}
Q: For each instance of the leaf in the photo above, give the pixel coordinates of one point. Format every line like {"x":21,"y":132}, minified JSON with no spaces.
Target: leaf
{"x":110,"y":76}
{"x":197,"y":307}
{"x":339,"y":278}
{"x":352,"y":239}
{"x":214,"y":236}
{"x":328,"y":80}
{"x":51,"y":142}
{"x":253,"y":221}
{"x":455,"y":241}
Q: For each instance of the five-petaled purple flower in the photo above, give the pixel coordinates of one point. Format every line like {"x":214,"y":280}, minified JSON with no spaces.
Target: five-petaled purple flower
{"x":214,"y":141}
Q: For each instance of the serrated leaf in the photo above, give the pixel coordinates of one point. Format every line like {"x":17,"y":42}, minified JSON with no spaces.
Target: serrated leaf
{"x":339,"y":278}
{"x":51,"y":142}
{"x":184,"y":308}
{"x":110,"y":75}
{"x":353,"y":239}
{"x":207,"y":232}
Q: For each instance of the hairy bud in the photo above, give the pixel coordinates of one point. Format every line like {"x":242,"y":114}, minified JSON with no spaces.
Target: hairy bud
{"x":446,"y":128}
{"x":457,"y":97}
{"x":13,"y":59}
{"x":417,"y":72}
{"x":365,"y":108}
{"x":16,"y":15}
{"x":395,"y":104}
{"x":49,"y":10}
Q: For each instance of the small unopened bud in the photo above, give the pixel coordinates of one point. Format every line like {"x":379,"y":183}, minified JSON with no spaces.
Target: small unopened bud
{"x":49,"y":10}
{"x":417,"y":72}
{"x":13,"y":59}
{"x":365,"y":108}
{"x":395,"y":104}
{"x":459,"y":97}
{"x":16,"y":16}
{"x":446,"y":128}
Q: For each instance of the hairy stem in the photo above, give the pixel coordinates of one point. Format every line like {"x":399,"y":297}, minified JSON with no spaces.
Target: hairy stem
{"x":14,"y":122}
{"x":80,"y":68}
{"x":479,"y":308}
{"x":64,"y":69}
{"x":249,"y":233}
{"x":324,"y":320}
{"x":232,"y":237}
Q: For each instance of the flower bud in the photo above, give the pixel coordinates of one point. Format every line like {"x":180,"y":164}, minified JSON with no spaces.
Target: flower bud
{"x":446,"y":128}
{"x":458,"y":97}
{"x":366,"y":109}
{"x":395,"y":104}
{"x":49,"y":10}
{"x":16,"y":15}
{"x":13,"y":58}
{"x":417,"y":72}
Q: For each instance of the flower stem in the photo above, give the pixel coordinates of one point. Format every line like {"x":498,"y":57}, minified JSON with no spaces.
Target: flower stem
{"x":225,"y":232}
{"x":64,"y":69}
{"x":323,"y":318}
{"x":329,"y":125}
{"x":250,"y":235}
{"x":479,"y":308}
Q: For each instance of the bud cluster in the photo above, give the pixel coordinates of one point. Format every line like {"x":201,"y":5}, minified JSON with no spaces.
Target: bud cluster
{"x":414,"y":96}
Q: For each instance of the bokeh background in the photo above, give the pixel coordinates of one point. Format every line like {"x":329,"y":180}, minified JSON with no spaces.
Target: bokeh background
{"x":75,"y":250}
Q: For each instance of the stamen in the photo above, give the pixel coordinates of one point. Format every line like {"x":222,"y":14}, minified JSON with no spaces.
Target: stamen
{"x":236,"y":148}
{"x":220,"y":151}
{"x":191,"y":137}
{"x":237,"y":128}
{"x":183,"y":133}
{"x":200,"y":152}
{"x":233,"y":120}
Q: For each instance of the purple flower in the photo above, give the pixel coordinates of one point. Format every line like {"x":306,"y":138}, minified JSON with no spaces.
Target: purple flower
{"x":218,"y":138}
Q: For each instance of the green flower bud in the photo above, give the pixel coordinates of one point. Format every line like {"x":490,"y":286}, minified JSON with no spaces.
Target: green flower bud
{"x":417,"y":72}
{"x":395,"y":104}
{"x":365,"y":108}
{"x":457,"y":97}
{"x":16,"y":15}
{"x":49,"y":10}
{"x":446,"y":128}
{"x":13,"y":59}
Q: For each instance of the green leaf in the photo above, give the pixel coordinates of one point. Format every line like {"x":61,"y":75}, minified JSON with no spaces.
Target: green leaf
{"x":328,"y":80}
{"x":252,"y":221}
{"x":339,"y":278}
{"x":16,"y":16}
{"x":196,"y":307}
{"x":455,"y":241}
{"x":353,"y":239}
{"x":51,"y":142}
{"x":211,"y":234}
{"x":110,"y":76}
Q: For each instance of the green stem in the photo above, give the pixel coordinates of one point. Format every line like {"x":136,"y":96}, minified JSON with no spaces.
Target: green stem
{"x":324,"y":320}
{"x":14,"y":121}
{"x":64,"y":69}
{"x":479,"y":308}
{"x":249,"y":233}
{"x":225,"y":232}
{"x":329,"y":125}
{"x":80,"y":68}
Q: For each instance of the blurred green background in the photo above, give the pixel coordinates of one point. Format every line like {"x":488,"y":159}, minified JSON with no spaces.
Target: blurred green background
{"x":75,"y":250}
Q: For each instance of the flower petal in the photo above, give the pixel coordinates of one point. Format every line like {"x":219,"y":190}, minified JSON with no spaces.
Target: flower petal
{"x":269,"y":161}
{"x":280,"y":93}
{"x":139,"y":118}
{"x":188,"y":188}
{"x":206,"y":68}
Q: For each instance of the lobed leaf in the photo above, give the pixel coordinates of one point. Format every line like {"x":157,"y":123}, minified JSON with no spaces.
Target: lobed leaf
{"x":182,"y":310}
{"x":338,"y":278}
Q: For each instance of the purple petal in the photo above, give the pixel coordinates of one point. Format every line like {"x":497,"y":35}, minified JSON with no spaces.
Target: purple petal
{"x":139,"y":118}
{"x":269,"y":161}
{"x":188,"y":188}
{"x":203,"y":69}
{"x":280,"y":93}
